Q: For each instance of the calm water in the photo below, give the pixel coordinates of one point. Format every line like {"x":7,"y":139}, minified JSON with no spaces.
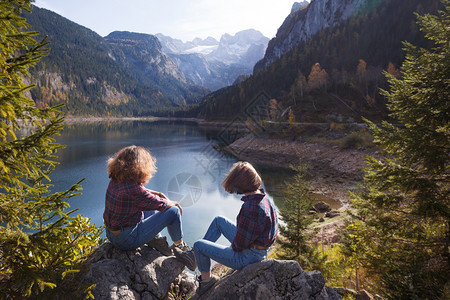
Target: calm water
{"x":189,"y":169}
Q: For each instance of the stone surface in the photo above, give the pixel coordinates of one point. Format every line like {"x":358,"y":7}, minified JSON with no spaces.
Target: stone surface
{"x":271,"y":279}
{"x":322,"y":207}
{"x":140,"y":274}
{"x":146,"y":274}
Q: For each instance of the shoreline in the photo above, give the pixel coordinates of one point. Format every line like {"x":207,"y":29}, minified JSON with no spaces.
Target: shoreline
{"x":198,"y":121}
{"x":73,"y":119}
{"x":332,"y":171}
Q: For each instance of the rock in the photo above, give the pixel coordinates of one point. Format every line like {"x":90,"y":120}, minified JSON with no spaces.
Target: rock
{"x":332,"y":213}
{"x":185,"y":285}
{"x":298,"y":5}
{"x":143,"y":273}
{"x":322,"y":207}
{"x":271,"y":279}
{"x":321,"y":220}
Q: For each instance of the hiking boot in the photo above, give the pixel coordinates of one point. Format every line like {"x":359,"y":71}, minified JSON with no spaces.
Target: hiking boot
{"x":185,"y":254}
{"x":205,"y":285}
{"x":160,"y":243}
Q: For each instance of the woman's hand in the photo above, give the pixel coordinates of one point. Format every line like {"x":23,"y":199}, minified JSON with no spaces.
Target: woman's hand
{"x":170,"y":203}
{"x":159,"y":194}
{"x":174,"y":203}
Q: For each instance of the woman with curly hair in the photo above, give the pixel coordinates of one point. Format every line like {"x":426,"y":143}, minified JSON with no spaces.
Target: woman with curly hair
{"x":134,"y":215}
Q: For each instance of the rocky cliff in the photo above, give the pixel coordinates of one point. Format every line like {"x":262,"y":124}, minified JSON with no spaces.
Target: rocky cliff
{"x":306,"y":20}
{"x":298,"y":5}
{"x":145,"y":274}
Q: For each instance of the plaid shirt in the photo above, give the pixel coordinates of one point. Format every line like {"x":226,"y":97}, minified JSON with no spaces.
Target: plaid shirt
{"x":257,"y":223}
{"x":125,"y":203}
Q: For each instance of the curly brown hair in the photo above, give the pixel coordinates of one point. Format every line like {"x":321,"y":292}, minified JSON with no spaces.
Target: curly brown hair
{"x":242,"y":179}
{"x":132,"y":164}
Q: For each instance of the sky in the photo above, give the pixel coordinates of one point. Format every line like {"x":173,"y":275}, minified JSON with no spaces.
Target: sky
{"x":181,"y":19}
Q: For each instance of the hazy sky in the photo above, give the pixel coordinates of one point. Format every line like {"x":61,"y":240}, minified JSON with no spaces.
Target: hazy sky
{"x":182,"y":19}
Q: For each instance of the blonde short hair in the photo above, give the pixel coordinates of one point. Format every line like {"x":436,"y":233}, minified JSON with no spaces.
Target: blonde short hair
{"x":242,"y":179}
{"x":132,"y":164}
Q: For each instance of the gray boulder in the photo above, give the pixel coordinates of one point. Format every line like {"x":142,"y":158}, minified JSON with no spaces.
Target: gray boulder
{"x":143,"y":273}
{"x":321,"y":207}
{"x":271,"y":279}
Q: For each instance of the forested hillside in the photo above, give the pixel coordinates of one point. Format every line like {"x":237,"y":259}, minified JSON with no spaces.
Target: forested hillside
{"x":335,"y":75}
{"x":93,"y":76}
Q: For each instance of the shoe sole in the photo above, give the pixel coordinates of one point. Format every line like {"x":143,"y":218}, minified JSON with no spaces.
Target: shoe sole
{"x":209,"y":286}
{"x":188,"y":262}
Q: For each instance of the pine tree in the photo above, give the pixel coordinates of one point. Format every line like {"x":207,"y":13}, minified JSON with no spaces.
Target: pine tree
{"x":40,"y":243}
{"x":405,"y":205}
{"x":296,"y":232}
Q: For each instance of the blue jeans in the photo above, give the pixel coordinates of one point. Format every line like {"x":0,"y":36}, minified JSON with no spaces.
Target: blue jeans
{"x":206,"y":248}
{"x":133,"y":237}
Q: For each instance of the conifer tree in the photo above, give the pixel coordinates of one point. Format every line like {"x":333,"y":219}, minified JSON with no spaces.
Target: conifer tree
{"x":40,"y":242}
{"x":295,"y":230}
{"x":405,"y":206}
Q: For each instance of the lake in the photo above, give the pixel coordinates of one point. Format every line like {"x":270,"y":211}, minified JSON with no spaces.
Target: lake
{"x":189,"y":169}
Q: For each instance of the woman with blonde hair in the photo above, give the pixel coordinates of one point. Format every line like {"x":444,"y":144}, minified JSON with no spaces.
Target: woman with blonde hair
{"x":251,"y":236}
{"x":134,"y":215}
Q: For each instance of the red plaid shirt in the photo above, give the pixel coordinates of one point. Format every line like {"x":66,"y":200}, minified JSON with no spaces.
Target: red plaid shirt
{"x":257,"y":223}
{"x":125,"y":203}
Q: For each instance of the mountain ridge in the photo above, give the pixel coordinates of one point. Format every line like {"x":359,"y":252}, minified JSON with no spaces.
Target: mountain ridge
{"x":93,"y":75}
{"x":216,"y":64}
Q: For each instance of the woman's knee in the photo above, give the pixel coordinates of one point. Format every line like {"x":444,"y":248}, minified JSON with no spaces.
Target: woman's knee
{"x":198,"y":245}
{"x":173,"y":211}
{"x":218,"y":220}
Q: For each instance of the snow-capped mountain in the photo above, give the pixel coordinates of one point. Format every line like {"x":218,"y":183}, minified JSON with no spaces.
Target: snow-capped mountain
{"x":215,"y":64}
{"x":197,"y":45}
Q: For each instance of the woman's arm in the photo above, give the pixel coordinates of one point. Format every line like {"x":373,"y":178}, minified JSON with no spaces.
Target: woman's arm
{"x":174,"y":203}
{"x":170,"y":203}
{"x":158,"y":194}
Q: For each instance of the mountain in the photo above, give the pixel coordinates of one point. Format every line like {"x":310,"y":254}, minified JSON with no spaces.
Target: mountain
{"x":93,"y":75}
{"x":326,"y":62}
{"x":306,"y":20}
{"x":298,"y":5}
{"x":171,"y":45}
{"x":143,"y":56}
{"x":215,"y":64}
{"x":244,"y":48}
